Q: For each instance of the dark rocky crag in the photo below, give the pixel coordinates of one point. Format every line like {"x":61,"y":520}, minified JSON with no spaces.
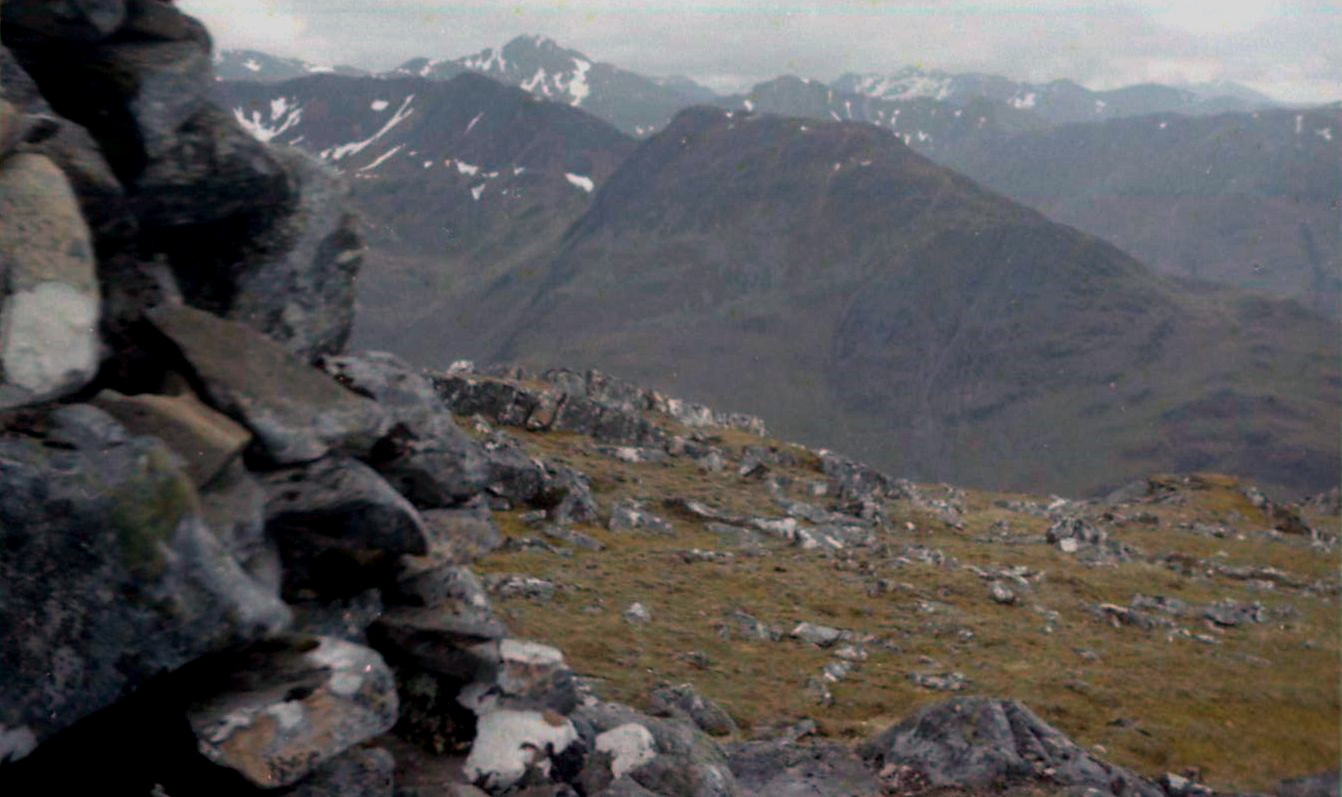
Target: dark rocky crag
{"x":235,"y":558}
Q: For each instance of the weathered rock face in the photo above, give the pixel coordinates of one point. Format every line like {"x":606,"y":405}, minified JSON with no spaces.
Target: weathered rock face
{"x":110,"y":574}
{"x":425,"y":455}
{"x":683,"y":702}
{"x":292,"y":705}
{"x":205,"y":440}
{"x":297,"y":413}
{"x":681,"y":760}
{"x":510,"y":744}
{"x":978,"y":742}
{"x":344,"y":501}
{"x":300,"y":290}
{"x":794,"y":770}
{"x":49,"y":298}
{"x":118,"y":98}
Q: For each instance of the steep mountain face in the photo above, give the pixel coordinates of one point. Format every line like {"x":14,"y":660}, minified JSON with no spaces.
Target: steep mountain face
{"x":1057,"y":102}
{"x":266,"y":68}
{"x":460,"y":182}
{"x":1243,"y":199}
{"x":636,"y":104}
{"x":829,"y":279}
{"x":1240,"y":198}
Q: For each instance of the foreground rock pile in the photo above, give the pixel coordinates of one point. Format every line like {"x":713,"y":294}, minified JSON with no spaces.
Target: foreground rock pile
{"x":236,"y":559}
{"x":233,"y":557}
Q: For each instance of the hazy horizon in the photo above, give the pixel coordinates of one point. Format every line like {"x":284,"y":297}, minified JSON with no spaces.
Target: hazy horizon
{"x":1291,"y":51}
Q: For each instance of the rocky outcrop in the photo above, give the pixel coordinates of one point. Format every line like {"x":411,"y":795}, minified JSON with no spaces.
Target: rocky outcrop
{"x":591,"y":403}
{"x":979,"y":743}
{"x":297,"y":413}
{"x":111,"y":574}
{"x":49,"y":300}
{"x":197,"y":558}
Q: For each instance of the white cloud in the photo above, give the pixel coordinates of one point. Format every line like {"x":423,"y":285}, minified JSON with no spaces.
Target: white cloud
{"x":267,"y":25}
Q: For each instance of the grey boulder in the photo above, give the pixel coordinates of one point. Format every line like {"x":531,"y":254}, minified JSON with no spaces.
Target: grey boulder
{"x":110,"y":575}
{"x":49,"y":297}
{"x":289,"y":706}
{"x":665,"y":756}
{"x":979,"y":742}
{"x":824,"y":769}
{"x":297,"y":413}
{"x":299,"y":288}
{"x":344,"y":502}
{"x":425,"y":454}
{"x":360,"y":772}
{"x":682,"y":701}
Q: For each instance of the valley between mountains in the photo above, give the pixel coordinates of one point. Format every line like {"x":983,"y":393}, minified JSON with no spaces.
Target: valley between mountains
{"x":832,"y":277}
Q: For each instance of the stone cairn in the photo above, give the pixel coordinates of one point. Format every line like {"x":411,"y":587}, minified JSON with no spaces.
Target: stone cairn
{"x":234,"y":559}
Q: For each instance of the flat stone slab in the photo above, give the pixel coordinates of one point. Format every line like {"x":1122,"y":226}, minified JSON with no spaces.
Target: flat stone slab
{"x":297,"y":413}
{"x":207,"y":441}
{"x":292,"y":705}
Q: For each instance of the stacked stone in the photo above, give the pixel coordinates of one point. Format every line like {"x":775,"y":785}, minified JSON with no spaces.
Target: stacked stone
{"x":233,"y":557}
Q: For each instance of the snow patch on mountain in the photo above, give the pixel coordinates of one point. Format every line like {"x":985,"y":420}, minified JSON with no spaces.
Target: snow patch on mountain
{"x":381,"y":159}
{"x":379,"y":105}
{"x":905,"y":85}
{"x":577,"y":87}
{"x":354,"y":148}
{"x":580,"y":181}
{"x":284,"y":115}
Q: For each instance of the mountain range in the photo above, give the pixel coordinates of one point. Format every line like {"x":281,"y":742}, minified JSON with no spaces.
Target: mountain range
{"x":640,"y":105}
{"x":827,"y":277}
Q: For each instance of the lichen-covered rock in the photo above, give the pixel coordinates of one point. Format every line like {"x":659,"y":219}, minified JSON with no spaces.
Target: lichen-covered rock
{"x":110,"y":576}
{"x":444,"y":639}
{"x":49,"y":298}
{"x":683,"y":701}
{"x":361,"y":772}
{"x":233,"y":505}
{"x":825,"y":769}
{"x":460,"y":536}
{"x":205,"y":440}
{"x":978,"y":742}
{"x":426,"y":455}
{"x":345,"y":502}
{"x":101,"y":196}
{"x":209,"y":170}
{"x":339,"y":526}
{"x":687,"y":762}
{"x":299,"y":288}
{"x":520,"y":675}
{"x":633,"y":516}
{"x":509,"y":744}
{"x":287,"y":707}
{"x":297,"y":413}
{"x":435,"y":585}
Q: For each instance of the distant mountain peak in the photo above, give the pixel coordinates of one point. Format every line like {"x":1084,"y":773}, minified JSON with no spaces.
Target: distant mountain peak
{"x":262,"y":67}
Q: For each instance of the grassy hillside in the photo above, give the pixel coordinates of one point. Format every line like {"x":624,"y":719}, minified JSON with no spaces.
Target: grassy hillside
{"x":1246,"y":705}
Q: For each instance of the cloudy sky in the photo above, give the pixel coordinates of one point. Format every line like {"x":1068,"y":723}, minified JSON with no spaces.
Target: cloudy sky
{"x":1290,"y":49}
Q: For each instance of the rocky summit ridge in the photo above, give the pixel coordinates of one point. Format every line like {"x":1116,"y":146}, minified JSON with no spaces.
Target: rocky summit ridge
{"x":238,"y":559}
